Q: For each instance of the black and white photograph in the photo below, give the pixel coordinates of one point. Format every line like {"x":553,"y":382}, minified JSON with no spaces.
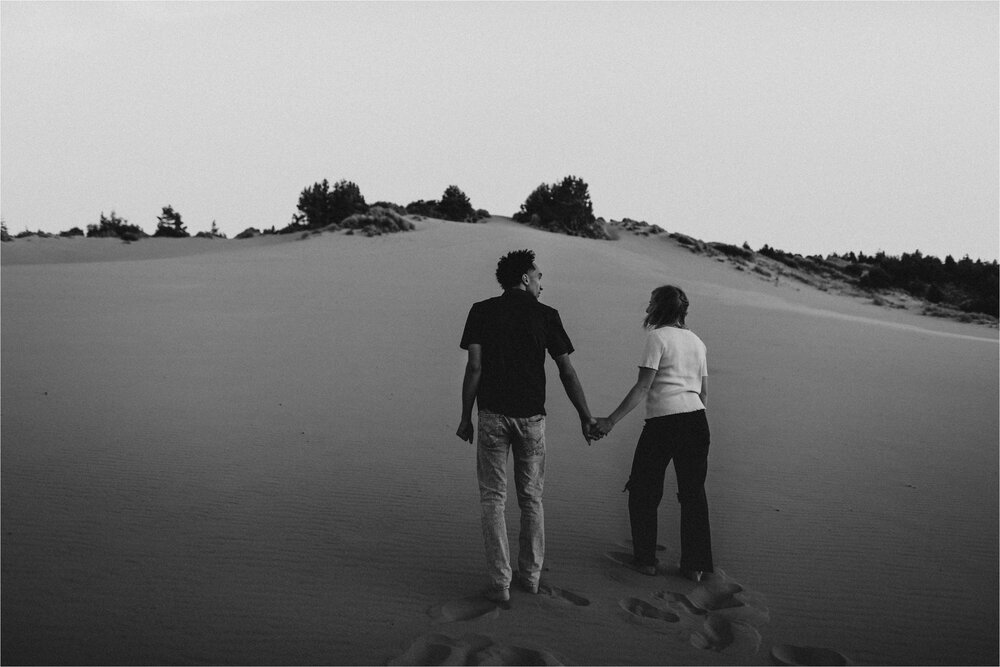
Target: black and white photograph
{"x":499,"y":333}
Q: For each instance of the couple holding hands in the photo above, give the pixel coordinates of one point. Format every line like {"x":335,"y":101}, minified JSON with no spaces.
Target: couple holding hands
{"x":507,"y":338}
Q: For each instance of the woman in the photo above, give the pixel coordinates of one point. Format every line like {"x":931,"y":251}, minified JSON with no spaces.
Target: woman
{"x":672,"y":379}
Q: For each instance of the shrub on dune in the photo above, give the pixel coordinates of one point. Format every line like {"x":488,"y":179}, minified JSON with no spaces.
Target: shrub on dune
{"x":732,"y":250}
{"x":424,"y":207}
{"x":321,"y":206}
{"x":40,"y":234}
{"x":115,"y":227}
{"x":213,"y":233}
{"x":564,"y":208}
{"x":391,"y":206}
{"x":375,"y":222}
{"x":876,"y":278}
{"x":170,"y":225}
{"x":455,"y":205}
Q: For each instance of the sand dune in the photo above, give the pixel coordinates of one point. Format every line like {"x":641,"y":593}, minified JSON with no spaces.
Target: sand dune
{"x":244,"y":452}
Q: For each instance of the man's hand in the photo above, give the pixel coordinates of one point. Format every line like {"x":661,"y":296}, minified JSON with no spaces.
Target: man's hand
{"x":602,"y":427}
{"x":587,"y":426}
{"x":465,"y":430}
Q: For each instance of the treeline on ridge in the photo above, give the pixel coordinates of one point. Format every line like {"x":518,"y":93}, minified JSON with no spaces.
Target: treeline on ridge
{"x":565,"y":207}
{"x":970,"y":286}
{"x":967,"y":285}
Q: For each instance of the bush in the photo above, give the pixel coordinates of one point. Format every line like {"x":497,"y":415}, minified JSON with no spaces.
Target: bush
{"x":788,"y":259}
{"x":346,"y":200}
{"x":377,"y":221}
{"x":454,"y":205}
{"x":76,"y":231}
{"x":732,"y":250}
{"x":876,"y":278}
{"x":314,"y":206}
{"x":115,"y":227}
{"x":563,"y":207}
{"x":854,"y":270}
{"x":169,"y":224}
{"x":391,"y":206}
{"x":212,"y":233}
{"x":248,"y":233}
{"x":427,"y":208}
{"x":321,"y":206}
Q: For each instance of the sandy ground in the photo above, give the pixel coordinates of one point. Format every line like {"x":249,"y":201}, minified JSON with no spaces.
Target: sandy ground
{"x":244,"y":452}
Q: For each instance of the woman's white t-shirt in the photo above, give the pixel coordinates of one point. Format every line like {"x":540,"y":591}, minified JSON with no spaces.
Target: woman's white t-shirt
{"x":678,"y":356}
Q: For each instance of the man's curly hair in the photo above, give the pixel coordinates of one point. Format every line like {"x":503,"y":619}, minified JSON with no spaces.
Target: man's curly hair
{"x":513,"y":265}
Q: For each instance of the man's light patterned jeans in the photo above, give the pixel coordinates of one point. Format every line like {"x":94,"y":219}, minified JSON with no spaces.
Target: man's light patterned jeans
{"x":526,"y":436}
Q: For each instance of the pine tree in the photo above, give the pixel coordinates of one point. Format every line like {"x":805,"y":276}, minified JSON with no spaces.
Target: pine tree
{"x":455,"y":205}
{"x":169,"y":224}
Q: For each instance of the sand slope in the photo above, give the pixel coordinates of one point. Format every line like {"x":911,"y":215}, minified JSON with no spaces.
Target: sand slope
{"x":247,"y":455}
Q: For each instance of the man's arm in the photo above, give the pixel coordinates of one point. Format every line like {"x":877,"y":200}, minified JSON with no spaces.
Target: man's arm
{"x":470,"y":388}
{"x":571,"y":383}
{"x":703,"y":394}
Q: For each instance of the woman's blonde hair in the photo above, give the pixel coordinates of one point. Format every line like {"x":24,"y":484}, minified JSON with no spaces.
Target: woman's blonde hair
{"x":670,"y":306}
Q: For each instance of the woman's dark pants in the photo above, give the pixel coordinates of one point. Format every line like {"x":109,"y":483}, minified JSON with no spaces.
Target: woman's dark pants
{"x":683,"y":438}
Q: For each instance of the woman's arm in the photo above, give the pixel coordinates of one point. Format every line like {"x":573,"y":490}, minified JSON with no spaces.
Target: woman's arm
{"x":634,"y":396}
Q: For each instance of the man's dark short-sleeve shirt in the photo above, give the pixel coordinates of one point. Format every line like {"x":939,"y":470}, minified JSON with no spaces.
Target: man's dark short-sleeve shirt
{"x":515,"y":331}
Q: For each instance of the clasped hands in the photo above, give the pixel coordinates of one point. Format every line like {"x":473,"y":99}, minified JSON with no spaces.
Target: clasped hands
{"x":593,"y":428}
{"x":596,"y":428}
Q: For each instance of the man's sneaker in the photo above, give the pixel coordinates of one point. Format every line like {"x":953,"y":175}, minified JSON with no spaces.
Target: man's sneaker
{"x":497,"y":594}
{"x":527,"y":586}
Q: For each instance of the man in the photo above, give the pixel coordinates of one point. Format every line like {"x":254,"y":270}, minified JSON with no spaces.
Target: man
{"x":507,"y":338}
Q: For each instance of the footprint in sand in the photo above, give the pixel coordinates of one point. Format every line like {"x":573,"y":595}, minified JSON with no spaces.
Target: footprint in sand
{"x":464,"y":609}
{"x":707,"y":596}
{"x":642,"y":610}
{"x":716,"y":614}
{"x":787,"y":654}
{"x":716,"y":618}
{"x":718,"y":633}
{"x":562,"y":595}
{"x":471,"y":649}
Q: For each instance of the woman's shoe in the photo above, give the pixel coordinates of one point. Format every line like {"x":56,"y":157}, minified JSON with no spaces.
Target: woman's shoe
{"x":693,"y":575}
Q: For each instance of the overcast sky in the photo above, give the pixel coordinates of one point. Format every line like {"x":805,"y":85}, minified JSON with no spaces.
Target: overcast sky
{"x":813,"y":127}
